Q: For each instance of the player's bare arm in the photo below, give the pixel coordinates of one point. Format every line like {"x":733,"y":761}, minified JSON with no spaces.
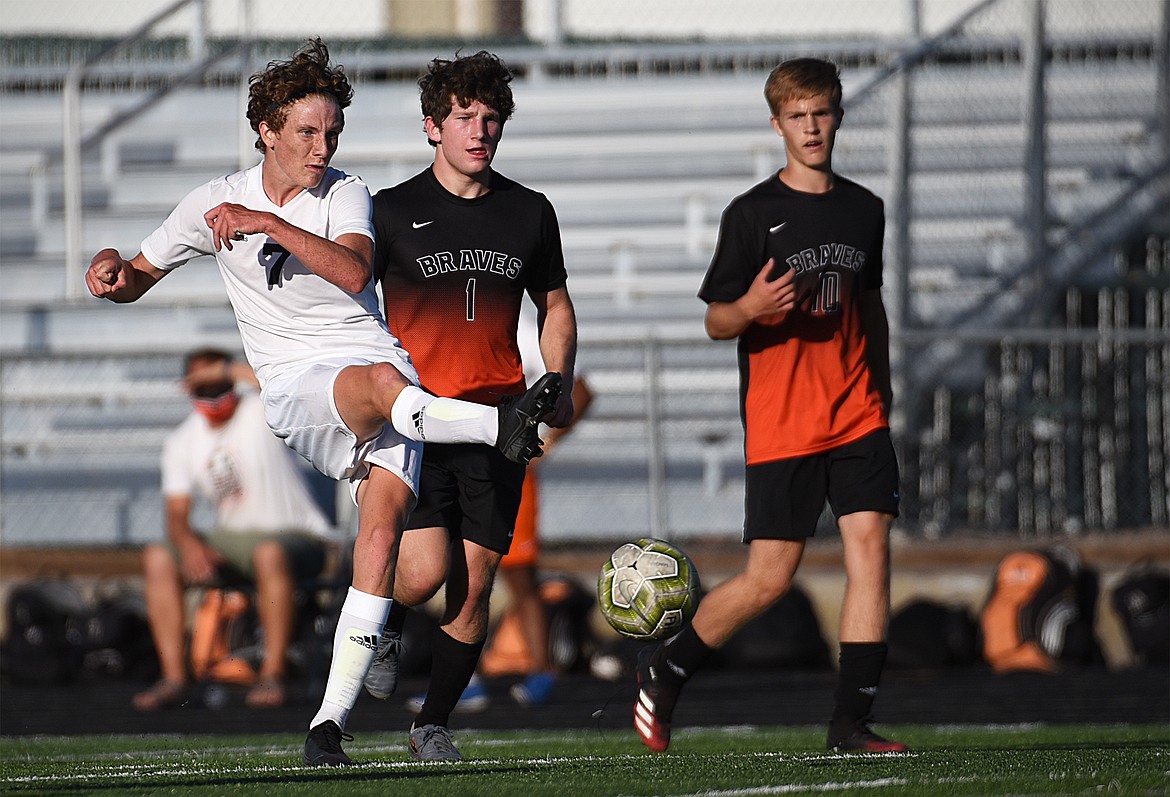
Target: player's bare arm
{"x":766,"y":298}
{"x":876,"y":326}
{"x":344,"y":262}
{"x":557,"y":321}
{"x":110,"y":276}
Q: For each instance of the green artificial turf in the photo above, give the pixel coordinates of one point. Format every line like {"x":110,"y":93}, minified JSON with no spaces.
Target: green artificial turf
{"x":730,"y":762}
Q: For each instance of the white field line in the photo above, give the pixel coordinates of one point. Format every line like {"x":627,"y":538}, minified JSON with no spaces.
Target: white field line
{"x":134,"y":769}
{"x":799,"y":788}
{"x":129,"y":764}
{"x":821,"y":788}
{"x":144,"y":769}
{"x":469,"y":737}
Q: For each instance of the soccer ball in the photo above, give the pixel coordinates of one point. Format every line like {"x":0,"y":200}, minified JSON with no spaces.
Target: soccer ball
{"x":648,"y":589}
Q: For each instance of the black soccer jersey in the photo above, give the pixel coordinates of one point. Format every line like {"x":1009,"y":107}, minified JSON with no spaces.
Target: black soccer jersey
{"x":453,"y":275}
{"x":805,"y":385}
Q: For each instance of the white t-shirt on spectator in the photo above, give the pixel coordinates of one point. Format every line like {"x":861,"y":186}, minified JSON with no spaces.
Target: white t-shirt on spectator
{"x":249,"y":476}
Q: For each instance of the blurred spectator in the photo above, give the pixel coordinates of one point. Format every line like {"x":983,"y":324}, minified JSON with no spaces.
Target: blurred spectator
{"x":268,"y":530}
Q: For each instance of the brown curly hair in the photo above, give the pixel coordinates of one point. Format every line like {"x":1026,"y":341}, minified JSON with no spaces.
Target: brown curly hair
{"x":482,"y":77}
{"x":284,"y":82}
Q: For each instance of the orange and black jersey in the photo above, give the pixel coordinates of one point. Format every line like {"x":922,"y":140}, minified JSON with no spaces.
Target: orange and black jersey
{"x":805,"y":386}
{"x":453,"y":275}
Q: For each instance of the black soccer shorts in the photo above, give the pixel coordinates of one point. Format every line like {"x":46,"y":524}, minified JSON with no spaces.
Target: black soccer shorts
{"x":470,"y":489}
{"x":785,"y":498}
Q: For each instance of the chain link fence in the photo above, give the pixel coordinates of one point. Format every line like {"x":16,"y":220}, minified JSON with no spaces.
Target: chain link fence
{"x":617,"y":36}
{"x":1022,"y":163}
{"x":1068,"y":432}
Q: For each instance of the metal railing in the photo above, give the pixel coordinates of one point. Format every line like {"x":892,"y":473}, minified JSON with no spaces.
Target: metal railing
{"x":1067,"y":434}
{"x":1056,"y":436}
{"x":76,"y":144}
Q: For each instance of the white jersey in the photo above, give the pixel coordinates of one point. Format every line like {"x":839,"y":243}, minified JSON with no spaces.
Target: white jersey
{"x":286,"y":313}
{"x":250,"y":476}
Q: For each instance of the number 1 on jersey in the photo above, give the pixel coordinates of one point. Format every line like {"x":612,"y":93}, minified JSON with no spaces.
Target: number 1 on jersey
{"x":471,"y":299}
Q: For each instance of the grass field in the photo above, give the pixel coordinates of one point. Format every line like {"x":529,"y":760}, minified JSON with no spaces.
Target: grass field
{"x":960,"y":760}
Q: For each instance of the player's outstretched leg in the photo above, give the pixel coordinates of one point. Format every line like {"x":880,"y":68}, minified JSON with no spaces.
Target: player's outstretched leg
{"x":323,"y":747}
{"x":656,"y":699}
{"x":520,"y":418}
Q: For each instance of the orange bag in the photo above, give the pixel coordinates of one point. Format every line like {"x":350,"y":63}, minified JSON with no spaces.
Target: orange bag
{"x":507,"y":651}
{"x":1008,"y":642}
{"x":211,"y":638}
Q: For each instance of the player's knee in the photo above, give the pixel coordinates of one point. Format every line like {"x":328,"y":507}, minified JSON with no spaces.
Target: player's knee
{"x":414,"y":588}
{"x":420,"y":573}
{"x":868,"y":543}
{"x":388,"y":379}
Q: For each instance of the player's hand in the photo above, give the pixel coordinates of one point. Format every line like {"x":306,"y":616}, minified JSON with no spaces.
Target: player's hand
{"x":562,"y":416}
{"x":231,"y":222}
{"x":770,"y":297}
{"x":107,"y":273}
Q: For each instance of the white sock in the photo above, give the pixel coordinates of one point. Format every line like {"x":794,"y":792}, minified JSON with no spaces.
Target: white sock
{"x":354,"y":644}
{"x":418,"y":415}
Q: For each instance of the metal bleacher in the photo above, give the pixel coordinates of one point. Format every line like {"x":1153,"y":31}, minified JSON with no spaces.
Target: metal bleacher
{"x":639,"y":171}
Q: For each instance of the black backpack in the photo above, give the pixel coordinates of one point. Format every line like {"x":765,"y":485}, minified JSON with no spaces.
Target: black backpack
{"x":786,"y":635}
{"x":1142,"y":601}
{"x":45,"y":642}
{"x":927,"y":634}
{"x":118,"y":641}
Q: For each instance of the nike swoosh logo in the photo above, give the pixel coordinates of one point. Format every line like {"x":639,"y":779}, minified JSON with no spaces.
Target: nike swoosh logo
{"x":777,"y":228}
{"x":418,"y":224}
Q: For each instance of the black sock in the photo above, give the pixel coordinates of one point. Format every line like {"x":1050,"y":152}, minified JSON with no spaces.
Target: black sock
{"x":452,"y":665}
{"x":683,"y":656}
{"x":860,"y":671}
{"x":397,"y":618}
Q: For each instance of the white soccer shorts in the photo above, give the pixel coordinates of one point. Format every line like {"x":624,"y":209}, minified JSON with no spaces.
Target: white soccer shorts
{"x":300,"y":408}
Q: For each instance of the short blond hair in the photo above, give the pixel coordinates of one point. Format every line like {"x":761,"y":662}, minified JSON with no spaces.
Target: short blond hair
{"x":801,"y":78}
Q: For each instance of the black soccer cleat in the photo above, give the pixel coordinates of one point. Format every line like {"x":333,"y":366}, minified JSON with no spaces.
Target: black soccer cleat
{"x":656,"y":701}
{"x":323,"y":747}
{"x":520,"y":418}
{"x":858,"y":738}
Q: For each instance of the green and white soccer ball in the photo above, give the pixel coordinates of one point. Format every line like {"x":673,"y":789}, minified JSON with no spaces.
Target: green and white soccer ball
{"x":648,"y":589}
